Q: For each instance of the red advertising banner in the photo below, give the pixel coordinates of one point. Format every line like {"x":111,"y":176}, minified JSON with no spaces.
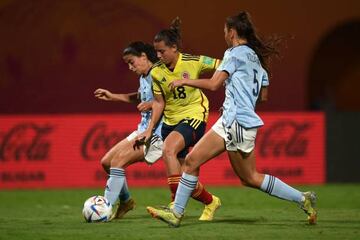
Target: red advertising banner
{"x":51,"y":151}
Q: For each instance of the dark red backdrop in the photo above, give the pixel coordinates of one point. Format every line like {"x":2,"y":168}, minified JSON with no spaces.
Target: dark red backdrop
{"x":54,"y":54}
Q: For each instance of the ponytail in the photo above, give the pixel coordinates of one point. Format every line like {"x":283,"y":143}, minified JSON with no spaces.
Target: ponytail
{"x":171,"y":36}
{"x":175,"y":26}
{"x":264,"y":49}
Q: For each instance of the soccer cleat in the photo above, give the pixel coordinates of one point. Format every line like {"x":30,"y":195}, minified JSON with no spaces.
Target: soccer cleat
{"x":308,"y":205}
{"x":122,"y":208}
{"x":171,"y":205}
{"x":114,"y":211}
{"x":209,"y":210}
{"x":165,"y":215}
{"x":167,"y":207}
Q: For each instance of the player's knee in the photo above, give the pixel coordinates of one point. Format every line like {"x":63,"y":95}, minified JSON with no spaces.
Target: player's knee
{"x":168,"y":152}
{"x":247,"y":182}
{"x":250,"y":181}
{"x":190,"y":163}
{"x":105,"y":163}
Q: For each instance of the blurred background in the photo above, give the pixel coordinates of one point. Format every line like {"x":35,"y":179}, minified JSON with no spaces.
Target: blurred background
{"x":54,"y":54}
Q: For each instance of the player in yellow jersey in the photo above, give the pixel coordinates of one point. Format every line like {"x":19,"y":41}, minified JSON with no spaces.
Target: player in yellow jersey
{"x":245,"y":61}
{"x":185,"y":102}
{"x":185,"y":110}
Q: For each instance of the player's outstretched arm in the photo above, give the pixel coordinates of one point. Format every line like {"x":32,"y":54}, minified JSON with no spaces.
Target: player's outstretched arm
{"x":212,"y":84}
{"x":106,"y":95}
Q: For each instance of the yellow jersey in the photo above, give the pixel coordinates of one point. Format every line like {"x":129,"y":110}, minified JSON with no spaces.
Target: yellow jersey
{"x":184,"y":102}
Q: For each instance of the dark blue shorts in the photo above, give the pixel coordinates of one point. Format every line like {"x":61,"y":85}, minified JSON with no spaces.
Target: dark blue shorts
{"x":191,"y":130}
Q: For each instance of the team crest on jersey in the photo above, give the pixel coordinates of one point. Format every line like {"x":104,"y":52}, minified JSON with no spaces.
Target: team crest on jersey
{"x":185,"y":75}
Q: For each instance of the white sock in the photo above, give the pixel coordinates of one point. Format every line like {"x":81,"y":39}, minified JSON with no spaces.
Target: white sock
{"x":124,"y":194}
{"x":186,"y":186}
{"x":114,"y":184}
{"x":275,"y":187}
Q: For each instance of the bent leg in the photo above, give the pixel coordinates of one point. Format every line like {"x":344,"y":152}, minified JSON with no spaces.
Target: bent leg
{"x":122,"y":155}
{"x":209,"y":146}
{"x":125,"y":155}
{"x":173,"y":144}
{"x":245,"y":168}
{"x":109,"y":156}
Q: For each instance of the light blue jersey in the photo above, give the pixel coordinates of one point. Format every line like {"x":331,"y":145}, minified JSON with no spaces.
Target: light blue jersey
{"x":146,"y":95}
{"x":246,"y":77}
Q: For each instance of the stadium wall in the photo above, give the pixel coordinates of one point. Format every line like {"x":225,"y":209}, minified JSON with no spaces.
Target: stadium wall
{"x":342,"y":149}
{"x":74,"y":47}
{"x":53,"y":151}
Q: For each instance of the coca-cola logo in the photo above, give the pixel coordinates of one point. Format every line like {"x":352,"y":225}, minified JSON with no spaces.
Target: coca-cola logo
{"x":26,"y":141}
{"x":98,"y":141}
{"x":284,"y":138}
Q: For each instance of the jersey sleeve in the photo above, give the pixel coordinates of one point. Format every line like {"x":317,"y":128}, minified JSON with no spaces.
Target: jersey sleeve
{"x":265,"y":80}
{"x":208,"y":63}
{"x":228,"y":65}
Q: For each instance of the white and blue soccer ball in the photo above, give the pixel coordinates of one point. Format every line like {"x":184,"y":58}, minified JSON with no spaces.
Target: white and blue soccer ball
{"x":97,"y":209}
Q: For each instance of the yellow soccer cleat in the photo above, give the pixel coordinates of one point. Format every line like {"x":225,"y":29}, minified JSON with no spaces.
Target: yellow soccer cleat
{"x":308,"y":205}
{"x":168,"y":207}
{"x":165,"y":215}
{"x":171,"y":205}
{"x":122,"y":208}
{"x":209,"y":210}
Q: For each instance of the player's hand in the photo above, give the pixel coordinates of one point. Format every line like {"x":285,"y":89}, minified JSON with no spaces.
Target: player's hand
{"x":176,"y":83}
{"x":103,"y":94}
{"x":138,"y":143}
{"x":144,"y":106}
{"x":142,"y":139}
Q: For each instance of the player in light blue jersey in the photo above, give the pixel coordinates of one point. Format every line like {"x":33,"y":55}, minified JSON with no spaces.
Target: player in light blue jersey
{"x":247,"y":79}
{"x":140,"y":57}
{"x":244,"y":72}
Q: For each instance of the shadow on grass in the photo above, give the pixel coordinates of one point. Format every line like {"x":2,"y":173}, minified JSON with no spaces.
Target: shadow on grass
{"x":239,"y":220}
{"x":191,"y":221}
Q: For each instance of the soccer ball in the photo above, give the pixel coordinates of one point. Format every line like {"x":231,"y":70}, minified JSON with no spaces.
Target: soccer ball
{"x":97,"y":209}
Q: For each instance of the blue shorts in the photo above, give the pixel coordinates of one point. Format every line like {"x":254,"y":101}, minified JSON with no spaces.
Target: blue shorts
{"x":191,"y":130}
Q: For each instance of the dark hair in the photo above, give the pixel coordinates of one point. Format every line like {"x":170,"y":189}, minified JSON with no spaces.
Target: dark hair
{"x":137,"y":48}
{"x":264,"y":49}
{"x":171,"y":36}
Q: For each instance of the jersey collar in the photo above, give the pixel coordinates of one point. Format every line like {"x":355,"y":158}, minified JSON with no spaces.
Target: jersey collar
{"x":177,"y":63}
